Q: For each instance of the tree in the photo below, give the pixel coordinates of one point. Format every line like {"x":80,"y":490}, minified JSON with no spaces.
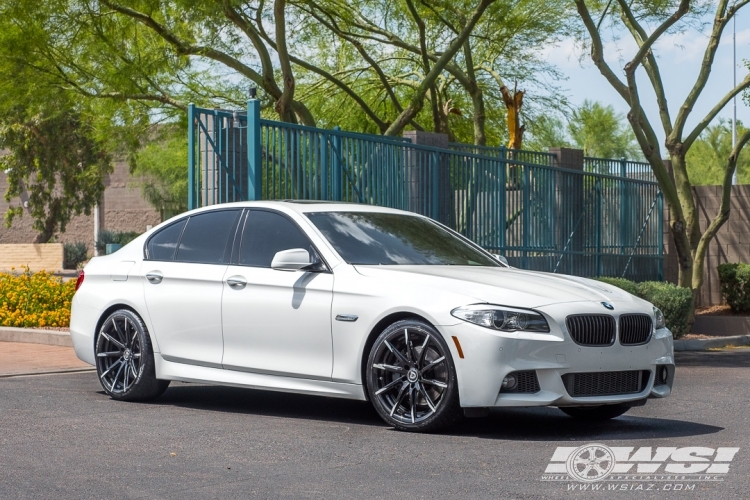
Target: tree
{"x":601,"y":132}
{"x":161,"y":166}
{"x":372,"y":65}
{"x":647,"y":22}
{"x":53,"y":160}
{"x":705,"y":160}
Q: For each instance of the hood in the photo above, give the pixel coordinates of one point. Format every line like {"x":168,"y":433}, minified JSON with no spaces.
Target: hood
{"x":502,"y":286}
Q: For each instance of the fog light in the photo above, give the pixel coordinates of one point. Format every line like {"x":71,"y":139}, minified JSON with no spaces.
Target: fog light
{"x":509,"y":383}
{"x":663,"y":374}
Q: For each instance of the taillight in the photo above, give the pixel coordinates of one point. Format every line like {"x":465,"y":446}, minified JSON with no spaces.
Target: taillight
{"x":79,"y":282}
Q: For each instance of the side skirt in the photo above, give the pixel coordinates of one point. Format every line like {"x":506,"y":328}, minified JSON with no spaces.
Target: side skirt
{"x":169,"y":370}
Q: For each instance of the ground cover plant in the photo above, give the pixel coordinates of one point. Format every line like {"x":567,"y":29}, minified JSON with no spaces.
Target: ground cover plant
{"x":35,"y":299}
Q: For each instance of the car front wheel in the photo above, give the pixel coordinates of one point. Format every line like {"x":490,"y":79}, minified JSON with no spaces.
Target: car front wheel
{"x":411,"y":379}
{"x":125,"y":360}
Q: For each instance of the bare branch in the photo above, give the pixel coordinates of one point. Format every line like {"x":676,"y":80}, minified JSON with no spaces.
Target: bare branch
{"x":645,"y":47}
{"x":690,"y":139}
{"x":184,"y":48}
{"x":650,"y":65}
{"x":415,"y":103}
{"x":721,"y":19}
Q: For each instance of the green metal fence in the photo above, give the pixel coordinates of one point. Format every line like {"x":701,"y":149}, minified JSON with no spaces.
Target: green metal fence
{"x":588,"y":223}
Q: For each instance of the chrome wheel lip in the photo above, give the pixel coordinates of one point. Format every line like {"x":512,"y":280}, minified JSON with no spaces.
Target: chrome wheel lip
{"x":404,"y":374}
{"x":118,"y":354}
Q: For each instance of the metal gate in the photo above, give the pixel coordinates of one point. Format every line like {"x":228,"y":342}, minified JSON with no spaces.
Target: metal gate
{"x":599,"y":221}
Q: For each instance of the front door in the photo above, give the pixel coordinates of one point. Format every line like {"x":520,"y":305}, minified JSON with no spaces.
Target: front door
{"x":276,"y":322}
{"x":183,"y":286}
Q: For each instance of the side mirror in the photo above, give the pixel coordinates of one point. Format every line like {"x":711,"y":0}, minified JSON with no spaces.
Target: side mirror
{"x":293,"y":259}
{"x":501,"y":258}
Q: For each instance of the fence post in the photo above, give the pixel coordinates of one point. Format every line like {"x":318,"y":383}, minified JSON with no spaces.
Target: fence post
{"x":660,"y":235}
{"x":624,"y":205}
{"x":324,"y":140}
{"x":191,"y":157}
{"x":598,"y":227}
{"x":526,"y":214}
{"x":336,"y":177}
{"x":254,"y":152}
{"x":435,"y":186}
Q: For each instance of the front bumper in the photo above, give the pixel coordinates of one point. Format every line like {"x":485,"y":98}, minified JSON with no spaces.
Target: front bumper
{"x":491,"y":355}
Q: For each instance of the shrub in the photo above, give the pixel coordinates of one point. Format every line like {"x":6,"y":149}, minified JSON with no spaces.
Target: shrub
{"x":735,"y":285}
{"x":74,"y":254}
{"x":627,"y":285}
{"x":35,"y":299}
{"x":106,"y":236}
{"x":674,"y":301}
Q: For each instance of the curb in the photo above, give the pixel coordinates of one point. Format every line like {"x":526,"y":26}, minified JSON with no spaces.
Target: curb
{"x":703,"y":344}
{"x":49,"y":372}
{"x":35,"y":336}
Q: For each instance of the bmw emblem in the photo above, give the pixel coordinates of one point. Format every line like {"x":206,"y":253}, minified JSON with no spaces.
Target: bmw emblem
{"x":608,"y":306}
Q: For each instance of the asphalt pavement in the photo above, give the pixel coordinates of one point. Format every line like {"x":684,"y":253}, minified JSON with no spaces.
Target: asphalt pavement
{"x":62,"y":438}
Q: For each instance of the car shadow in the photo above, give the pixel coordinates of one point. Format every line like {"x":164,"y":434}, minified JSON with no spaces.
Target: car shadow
{"x":550,"y":424}
{"x":514,"y":424}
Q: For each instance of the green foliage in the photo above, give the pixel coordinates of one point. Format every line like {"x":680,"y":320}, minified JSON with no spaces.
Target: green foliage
{"x":626,"y":285}
{"x":601,"y":132}
{"x":106,"y":237}
{"x":707,"y":158}
{"x":54,"y":159}
{"x":674,"y":301}
{"x":595,"y":128}
{"x":74,"y":254}
{"x":162,"y":168}
{"x":547,"y":131}
{"x":735,"y":285}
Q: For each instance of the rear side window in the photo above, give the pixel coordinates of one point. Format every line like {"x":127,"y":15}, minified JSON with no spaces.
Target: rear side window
{"x":265,"y":234}
{"x":206,"y":237}
{"x":163,"y":244}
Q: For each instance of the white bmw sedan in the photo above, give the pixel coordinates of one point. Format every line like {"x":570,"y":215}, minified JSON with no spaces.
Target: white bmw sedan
{"x":366,"y":303}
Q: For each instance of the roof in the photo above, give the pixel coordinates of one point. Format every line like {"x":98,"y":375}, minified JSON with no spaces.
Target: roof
{"x":307,"y":206}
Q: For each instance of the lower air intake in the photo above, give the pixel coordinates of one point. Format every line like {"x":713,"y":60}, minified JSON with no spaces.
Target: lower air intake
{"x":605,"y":383}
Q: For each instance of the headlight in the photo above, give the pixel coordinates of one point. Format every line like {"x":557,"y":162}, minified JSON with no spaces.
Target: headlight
{"x":659,"y":317}
{"x":506,"y":319}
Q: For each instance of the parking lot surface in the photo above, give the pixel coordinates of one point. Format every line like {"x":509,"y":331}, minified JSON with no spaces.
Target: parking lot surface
{"x":61,"y":437}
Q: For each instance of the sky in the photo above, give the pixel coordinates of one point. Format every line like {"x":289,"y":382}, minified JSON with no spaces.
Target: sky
{"x":679,"y":57}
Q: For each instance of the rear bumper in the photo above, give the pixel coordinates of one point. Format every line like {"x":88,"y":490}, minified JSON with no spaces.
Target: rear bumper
{"x":82,"y":326}
{"x":489,"y":356}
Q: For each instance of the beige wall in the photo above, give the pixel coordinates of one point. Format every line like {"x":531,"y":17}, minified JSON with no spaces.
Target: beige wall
{"x":45,"y":257}
{"x":731,"y":244}
{"x":123,"y":209}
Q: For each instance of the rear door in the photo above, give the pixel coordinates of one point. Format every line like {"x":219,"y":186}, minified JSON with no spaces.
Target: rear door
{"x":183,"y":286}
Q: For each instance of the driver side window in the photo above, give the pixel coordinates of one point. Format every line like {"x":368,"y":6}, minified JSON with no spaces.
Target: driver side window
{"x":266,"y":233}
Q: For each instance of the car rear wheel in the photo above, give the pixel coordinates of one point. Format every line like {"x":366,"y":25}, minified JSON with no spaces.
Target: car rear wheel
{"x":593,"y":413}
{"x":411,"y":379}
{"x":125,"y":360}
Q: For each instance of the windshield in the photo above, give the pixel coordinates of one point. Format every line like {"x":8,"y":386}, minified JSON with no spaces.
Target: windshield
{"x":371,"y":238}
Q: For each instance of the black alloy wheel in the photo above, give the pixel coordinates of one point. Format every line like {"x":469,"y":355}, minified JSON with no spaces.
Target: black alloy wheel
{"x":411,"y":379}
{"x":124,"y":359}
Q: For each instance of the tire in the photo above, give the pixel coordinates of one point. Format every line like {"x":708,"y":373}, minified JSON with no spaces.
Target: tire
{"x":125,"y":359}
{"x":595,"y":413}
{"x":411,"y":379}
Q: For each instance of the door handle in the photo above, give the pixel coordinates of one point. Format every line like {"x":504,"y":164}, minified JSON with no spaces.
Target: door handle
{"x":237,"y":282}
{"x":154,"y":277}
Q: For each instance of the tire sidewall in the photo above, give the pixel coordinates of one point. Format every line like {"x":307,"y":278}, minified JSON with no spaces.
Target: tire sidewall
{"x":450,"y":402}
{"x":147,"y":359}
